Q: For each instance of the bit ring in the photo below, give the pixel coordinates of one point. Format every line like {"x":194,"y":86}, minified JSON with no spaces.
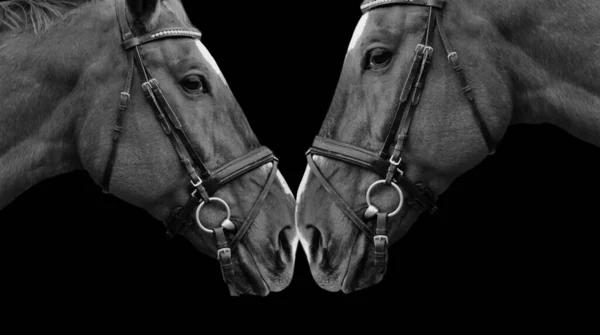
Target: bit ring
{"x":219,"y":200}
{"x":396,"y":187}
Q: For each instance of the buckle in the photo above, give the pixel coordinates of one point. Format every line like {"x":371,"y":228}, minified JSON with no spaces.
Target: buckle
{"x":452,"y":56}
{"x":123,"y":101}
{"x":199,"y":183}
{"x":224,"y":255}
{"x":146,"y":87}
{"x":395,"y":163}
{"x":381,"y":238}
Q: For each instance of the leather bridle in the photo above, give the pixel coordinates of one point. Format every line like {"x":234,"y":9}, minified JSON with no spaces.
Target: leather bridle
{"x":203,"y":184}
{"x":389,"y":165}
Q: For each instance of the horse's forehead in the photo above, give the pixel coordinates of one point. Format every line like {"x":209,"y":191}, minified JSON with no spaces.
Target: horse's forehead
{"x":358,"y":31}
{"x":174,"y":52}
{"x":210,"y":60}
{"x":392,"y":21}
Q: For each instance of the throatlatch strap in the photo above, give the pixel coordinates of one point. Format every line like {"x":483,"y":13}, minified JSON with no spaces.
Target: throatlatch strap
{"x":466,"y":88}
{"x":118,"y":128}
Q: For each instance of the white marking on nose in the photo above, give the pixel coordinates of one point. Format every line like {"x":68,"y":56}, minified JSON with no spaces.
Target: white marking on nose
{"x":358,"y":31}
{"x":284,"y":184}
{"x":303,"y":183}
{"x":303,"y":240}
{"x":288,"y":192}
{"x":211,"y":61}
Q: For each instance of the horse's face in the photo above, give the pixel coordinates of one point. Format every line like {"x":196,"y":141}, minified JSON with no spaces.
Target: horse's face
{"x":148,"y":172}
{"x":444,"y":140}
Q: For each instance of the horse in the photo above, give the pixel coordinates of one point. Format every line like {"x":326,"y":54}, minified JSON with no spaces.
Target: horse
{"x":127,"y":92}
{"x":427,"y":91}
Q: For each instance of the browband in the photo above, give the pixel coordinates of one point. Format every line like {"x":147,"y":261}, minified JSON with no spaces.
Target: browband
{"x":160,"y":34}
{"x":370,"y":4}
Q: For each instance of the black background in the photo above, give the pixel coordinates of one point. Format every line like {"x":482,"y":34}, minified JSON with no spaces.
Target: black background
{"x":518,"y":230}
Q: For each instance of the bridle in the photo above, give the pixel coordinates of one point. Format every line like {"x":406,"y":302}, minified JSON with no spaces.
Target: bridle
{"x":203,"y":184}
{"x":389,"y":165}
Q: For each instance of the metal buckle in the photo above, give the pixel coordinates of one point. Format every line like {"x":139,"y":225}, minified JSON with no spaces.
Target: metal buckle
{"x":219,"y":200}
{"x":198,"y":183}
{"x":380,"y":238}
{"x":395,"y":163}
{"x":452,"y":54}
{"x":146,"y":86}
{"x":225,"y":252}
{"x":396,"y":187}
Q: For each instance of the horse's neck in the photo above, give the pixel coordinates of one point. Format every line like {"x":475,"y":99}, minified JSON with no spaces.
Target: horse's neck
{"x":42,"y":101}
{"x":554,"y":63}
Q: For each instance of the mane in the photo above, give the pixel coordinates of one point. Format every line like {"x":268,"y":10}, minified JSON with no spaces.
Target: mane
{"x":18,"y":15}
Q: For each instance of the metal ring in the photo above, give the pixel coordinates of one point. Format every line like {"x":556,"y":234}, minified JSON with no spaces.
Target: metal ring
{"x":395,"y":187}
{"x":200,"y":208}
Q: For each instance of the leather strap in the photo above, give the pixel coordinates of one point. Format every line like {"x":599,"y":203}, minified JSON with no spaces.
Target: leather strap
{"x":414,"y":69}
{"x":118,"y":128}
{"x":161,"y":34}
{"x":371,"y":4}
{"x":423,"y":198}
{"x":466,"y":88}
{"x":381,"y":242}
{"x":337,"y":198}
{"x":255,"y":208}
{"x":238,"y":167}
{"x":349,"y":153}
{"x":164,"y":104}
{"x":407,"y":116}
{"x":178,"y":221}
{"x":225,"y":260}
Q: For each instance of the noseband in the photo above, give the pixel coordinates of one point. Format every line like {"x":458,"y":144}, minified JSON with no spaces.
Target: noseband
{"x":203,"y":184}
{"x":389,"y":165}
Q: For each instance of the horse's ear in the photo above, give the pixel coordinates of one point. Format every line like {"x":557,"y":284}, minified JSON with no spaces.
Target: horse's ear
{"x":144,"y":11}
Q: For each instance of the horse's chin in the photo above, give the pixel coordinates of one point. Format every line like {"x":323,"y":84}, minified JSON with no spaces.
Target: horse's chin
{"x":353,"y":273}
{"x":361,"y":272}
{"x":260,"y":280}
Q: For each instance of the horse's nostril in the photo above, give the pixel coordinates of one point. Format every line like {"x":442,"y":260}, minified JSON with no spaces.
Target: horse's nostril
{"x":315,"y":239}
{"x":285,"y":242}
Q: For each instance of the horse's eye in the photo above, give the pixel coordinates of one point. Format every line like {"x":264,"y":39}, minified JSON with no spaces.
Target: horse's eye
{"x":379,"y":57}
{"x":194,"y":83}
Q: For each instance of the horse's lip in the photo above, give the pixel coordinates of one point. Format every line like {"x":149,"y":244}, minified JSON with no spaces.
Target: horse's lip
{"x":344,"y":281}
{"x":266,"y":288}
{"x":347,"y":280}
{"x":254,"y":271}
